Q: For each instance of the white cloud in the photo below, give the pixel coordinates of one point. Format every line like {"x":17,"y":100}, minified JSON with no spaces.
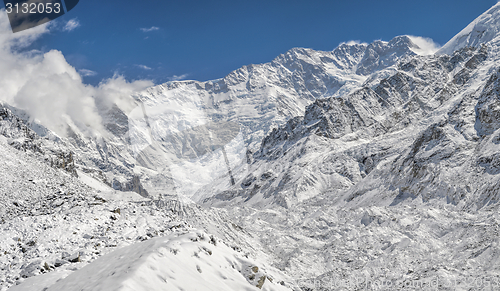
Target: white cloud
{"x":178,"y":78}
{"x":144,"y":67}
{"x":71,"y":25}
{"x":117,"y":90}
{"x":152,"y":28}
{"x":86,"y":73}
{"x":353,"y":42}
{"x":426,"y":46}
{"x":51,"y":90}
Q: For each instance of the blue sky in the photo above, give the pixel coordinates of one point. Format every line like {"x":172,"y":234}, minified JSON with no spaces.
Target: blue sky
{"x":202,"y":40}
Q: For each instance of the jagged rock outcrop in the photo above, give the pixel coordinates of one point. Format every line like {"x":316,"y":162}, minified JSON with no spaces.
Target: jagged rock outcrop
{"x":133,"y":185}
{"x":488,"y":107}
{"x":22,"y":137}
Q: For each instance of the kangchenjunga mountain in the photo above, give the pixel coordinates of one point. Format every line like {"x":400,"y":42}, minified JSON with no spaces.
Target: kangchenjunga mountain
{"x":257,"y":98}
{"x":373,"y":161}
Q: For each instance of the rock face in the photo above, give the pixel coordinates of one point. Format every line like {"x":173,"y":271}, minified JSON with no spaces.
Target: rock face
{"x":422,"y":119}
{"x":64,"y":160}
{"x":488,"y":107}
{"x":22,"y":137}
{"x":133,"y":185}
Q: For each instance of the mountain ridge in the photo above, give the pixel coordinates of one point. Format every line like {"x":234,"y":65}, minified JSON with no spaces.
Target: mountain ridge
{"x":482,"y":30}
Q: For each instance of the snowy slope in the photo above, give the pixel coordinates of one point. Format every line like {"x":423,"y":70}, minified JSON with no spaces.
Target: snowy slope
{"x":53,"y":223}
{"x":483,"y":29}
{"x":191,"y":261}
{"x":49,"y":232}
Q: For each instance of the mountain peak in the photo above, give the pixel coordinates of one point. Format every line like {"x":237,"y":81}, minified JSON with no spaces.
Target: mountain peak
{"x":483,"y":29}
{"x":381,"y":54}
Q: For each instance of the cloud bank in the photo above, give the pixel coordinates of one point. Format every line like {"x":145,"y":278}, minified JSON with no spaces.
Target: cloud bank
{"x":50,"y":90}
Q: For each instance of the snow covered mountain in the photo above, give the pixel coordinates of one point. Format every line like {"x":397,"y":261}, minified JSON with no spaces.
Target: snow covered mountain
{"x":255,"y":98}
{"x":340,"y":141}
{"x":370,"y":164}
{"x":483,"y":29}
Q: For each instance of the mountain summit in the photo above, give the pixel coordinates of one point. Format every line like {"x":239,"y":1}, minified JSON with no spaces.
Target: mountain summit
{"x":482,"y":30}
